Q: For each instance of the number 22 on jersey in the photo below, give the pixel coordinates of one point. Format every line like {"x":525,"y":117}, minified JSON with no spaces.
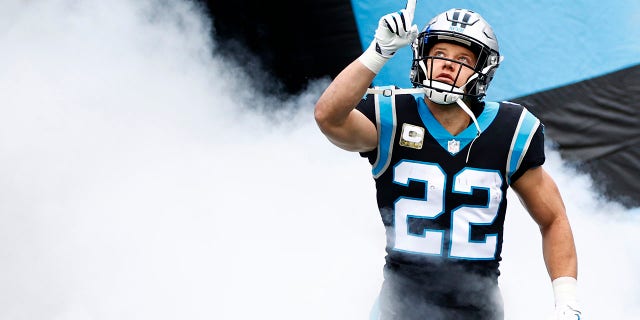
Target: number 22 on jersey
{"x":463,"y":218}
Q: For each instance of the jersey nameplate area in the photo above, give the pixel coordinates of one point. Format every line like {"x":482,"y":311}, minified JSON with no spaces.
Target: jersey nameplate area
{"x":412,"y":136}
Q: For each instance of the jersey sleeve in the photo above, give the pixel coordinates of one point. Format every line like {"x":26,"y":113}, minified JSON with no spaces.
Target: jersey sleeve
{"x":534,"y":157}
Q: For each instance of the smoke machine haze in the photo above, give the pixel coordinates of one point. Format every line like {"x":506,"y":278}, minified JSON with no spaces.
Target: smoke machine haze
{"x":143,"y":179}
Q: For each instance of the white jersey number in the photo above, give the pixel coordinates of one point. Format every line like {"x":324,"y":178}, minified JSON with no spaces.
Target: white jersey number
{"x":463,"y":218}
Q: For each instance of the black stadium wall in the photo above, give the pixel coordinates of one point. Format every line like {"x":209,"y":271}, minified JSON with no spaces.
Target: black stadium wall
{"x":295,"y":41}
{"x":596,"y":125}
{"x":593,"y":118}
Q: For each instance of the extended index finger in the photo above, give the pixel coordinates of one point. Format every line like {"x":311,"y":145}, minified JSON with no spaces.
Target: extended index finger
{"x":410,"y":11}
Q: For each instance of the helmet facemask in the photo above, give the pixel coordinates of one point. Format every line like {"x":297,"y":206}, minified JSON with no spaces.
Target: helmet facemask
{"x":449,"y":90}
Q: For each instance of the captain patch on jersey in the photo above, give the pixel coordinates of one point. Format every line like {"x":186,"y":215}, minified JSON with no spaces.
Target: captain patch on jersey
{"x":412,"y":136}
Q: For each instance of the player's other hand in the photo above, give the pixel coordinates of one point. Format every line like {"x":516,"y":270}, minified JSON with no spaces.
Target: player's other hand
{"x":566,"y":302}
{"x":396,"y":30}
{"x":566,"y":312}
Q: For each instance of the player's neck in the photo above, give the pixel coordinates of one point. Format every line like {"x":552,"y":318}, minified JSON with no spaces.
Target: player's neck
{"x":451,"y":117}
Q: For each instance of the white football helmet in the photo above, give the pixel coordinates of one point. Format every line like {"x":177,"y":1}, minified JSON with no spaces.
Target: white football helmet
{"x":459,"y":26}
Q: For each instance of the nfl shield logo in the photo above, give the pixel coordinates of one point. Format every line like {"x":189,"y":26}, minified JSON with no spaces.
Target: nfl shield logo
{"x":453,"y":146}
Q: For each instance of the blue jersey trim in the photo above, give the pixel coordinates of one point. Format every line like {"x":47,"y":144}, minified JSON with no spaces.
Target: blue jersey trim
{"x":465,"y":137}
{"x":527,"y":126}
{"x":386,"y":118}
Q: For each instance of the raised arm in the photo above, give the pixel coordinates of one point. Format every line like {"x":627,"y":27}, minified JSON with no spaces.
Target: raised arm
{"x":335,"y":114}
{"x":335,"y":110}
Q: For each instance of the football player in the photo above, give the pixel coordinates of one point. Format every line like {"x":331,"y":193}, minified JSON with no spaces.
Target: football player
{"x":443,"y":159}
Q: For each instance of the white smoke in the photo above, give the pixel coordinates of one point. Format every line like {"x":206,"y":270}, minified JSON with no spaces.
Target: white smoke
{"x":142,"y":179}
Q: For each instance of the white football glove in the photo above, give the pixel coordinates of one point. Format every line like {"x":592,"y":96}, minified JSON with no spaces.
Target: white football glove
{"x":564,"y":292}
{"x":395,"y":30}
{"x":566,"y":312}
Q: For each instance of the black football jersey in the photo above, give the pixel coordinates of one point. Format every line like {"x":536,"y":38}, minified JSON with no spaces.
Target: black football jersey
{"x":443,"y":198}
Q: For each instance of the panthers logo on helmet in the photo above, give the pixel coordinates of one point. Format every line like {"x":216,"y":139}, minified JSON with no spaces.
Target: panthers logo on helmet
{"x":459,"y":20}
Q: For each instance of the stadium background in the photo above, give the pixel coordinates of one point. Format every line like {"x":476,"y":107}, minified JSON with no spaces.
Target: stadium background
{"x":150,"y":172}
{"x":575,"y":65}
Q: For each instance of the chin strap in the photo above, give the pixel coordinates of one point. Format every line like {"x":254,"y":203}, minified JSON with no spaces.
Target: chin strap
{"x":470,"y":113}
{"x":466,"y":109}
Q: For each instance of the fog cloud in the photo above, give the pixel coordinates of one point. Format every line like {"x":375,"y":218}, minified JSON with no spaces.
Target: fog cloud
{"x":144,"y":177}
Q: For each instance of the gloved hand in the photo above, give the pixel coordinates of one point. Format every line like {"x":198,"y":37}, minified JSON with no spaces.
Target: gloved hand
{"x":395,"y":30}
{"x":564,"y":292}
{"x":566,"y":312}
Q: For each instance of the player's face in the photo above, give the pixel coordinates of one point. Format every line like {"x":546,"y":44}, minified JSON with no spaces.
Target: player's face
{"x":456,"y":63}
